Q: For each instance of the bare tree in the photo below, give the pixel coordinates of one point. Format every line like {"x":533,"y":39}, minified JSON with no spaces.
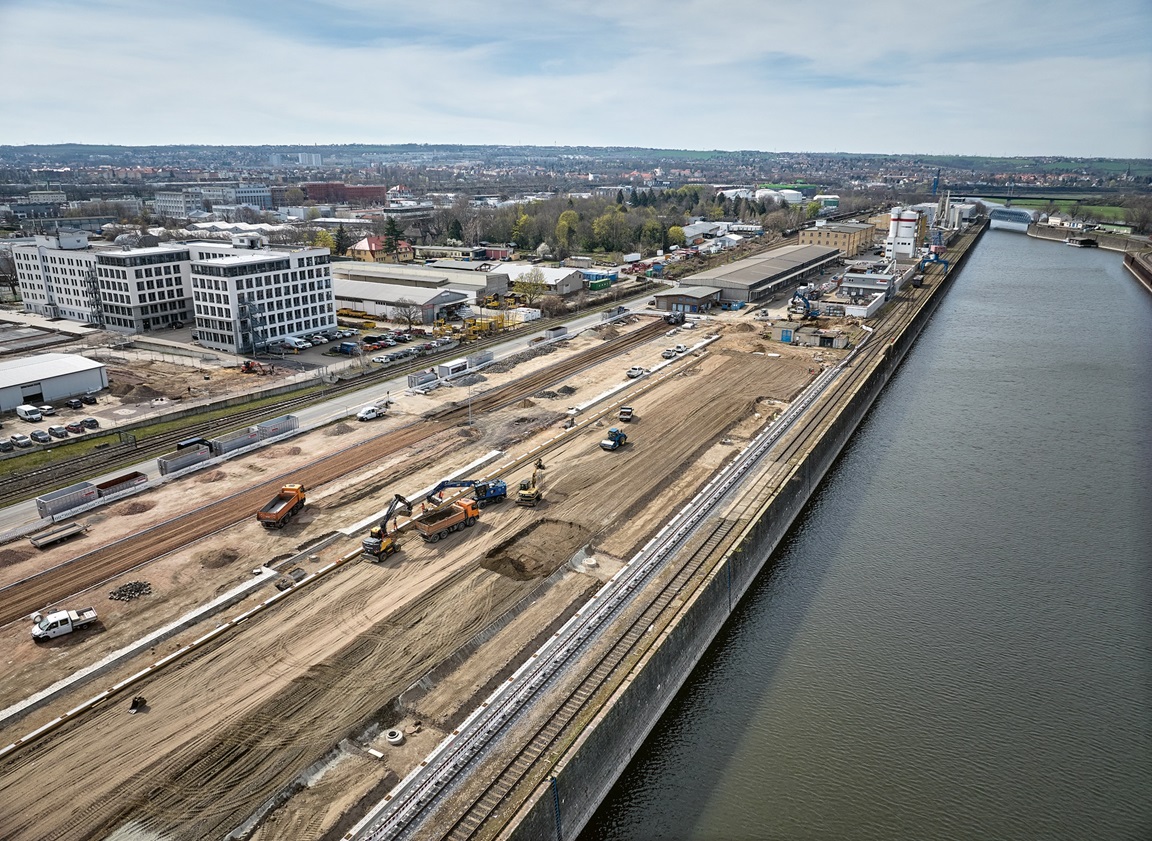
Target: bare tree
{"x":530,"y":286}
{"x":408,"y":311}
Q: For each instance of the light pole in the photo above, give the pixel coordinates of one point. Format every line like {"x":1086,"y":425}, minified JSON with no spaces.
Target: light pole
{"x":469,"y":404}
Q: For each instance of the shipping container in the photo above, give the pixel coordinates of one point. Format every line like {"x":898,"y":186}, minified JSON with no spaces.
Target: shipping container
{"x":483,"y":357}
{"x":172,"y":462}
{"x":421,"y":378}
{"x":122,"y":483}
{"x":67,"y":498}
{"x":555,"y":332}
{"x":449,"y":369}
{"x":234,"y":440}
{"x":278,"y":426}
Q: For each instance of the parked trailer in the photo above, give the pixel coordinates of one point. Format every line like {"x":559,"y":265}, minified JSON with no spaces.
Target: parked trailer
{"x":66,"y":498}
{"x":58,"y":534}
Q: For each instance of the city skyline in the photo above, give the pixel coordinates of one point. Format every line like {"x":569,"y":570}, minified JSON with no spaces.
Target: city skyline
{"x":1016,"y":78}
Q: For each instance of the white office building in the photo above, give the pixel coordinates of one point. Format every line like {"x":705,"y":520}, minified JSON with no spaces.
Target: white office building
{"x":239,"y":295}
{"x":129,"y":290}
{"x":246,"y":294}
{"x":178,"y":204}
{"x":253,"y":195}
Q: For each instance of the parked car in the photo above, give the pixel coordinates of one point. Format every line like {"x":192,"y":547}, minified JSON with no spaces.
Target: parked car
{"x":681,"y":348}
{"x":635,"y":371}
{"x":75,"y":427}
{"x":6,"y":446}
{"x":90,"y":399}
{"x":40,"y":436}
{"x":21,"y":440}
{"x":668,"y":353}
{"x":90,"y":423}
{"x":402,"y":337}
{"x":382,"y":359}
{"x":58,"y":431}
{"x":47,"y":410}
{"x":74,"y":403}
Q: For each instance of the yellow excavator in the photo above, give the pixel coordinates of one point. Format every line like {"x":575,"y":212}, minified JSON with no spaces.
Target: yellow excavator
{"x":530,"y":491}
{"x":380,"y":542}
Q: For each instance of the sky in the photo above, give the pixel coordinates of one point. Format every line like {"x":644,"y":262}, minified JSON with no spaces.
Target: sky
{"x":978,"y":77}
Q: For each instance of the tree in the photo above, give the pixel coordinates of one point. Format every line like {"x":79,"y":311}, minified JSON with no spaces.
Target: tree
{"x":612,"y":230}
{"x":530,"y":285}
{"x":619,"y":197}
{"x":553,"y":306}
{"x":652,"y":233}
{"x":294,"y":197}
{"x":676,"y":236}
{"x":566,"y":228}
{"x":312,"y":214}
{"x":519,"y":228}
{"x":408,"y":311}
{"x":455,"y":230}
{"x":812,"y":210}
{"x":342,"y":240}
{"x":392,"y":235}
{"x":323,"y":239}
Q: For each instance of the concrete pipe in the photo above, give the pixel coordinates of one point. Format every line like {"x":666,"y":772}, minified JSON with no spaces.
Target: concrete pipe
{"x":395,"y":737}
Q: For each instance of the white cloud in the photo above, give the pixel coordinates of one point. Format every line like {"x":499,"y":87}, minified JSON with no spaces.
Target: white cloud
{"x":1007,"y":77}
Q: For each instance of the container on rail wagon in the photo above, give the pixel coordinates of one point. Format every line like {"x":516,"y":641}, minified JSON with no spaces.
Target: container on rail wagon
{"x":72,"y":496}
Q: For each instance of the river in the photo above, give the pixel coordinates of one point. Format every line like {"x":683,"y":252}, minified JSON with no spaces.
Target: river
{"x":955,"y":640}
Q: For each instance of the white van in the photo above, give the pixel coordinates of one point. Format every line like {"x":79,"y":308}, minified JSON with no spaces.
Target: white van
{"x":292,"y":342}
{"x":29,"y":413}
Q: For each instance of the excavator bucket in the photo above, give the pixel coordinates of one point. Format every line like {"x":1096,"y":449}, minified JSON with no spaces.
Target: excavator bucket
{"x":138,"y":703}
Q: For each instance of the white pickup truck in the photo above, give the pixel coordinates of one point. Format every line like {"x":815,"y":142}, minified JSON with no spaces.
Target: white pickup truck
{"x":60,"y":622}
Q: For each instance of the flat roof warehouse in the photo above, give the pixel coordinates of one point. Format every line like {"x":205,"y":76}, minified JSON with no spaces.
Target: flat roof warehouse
{"x":756,"y":278}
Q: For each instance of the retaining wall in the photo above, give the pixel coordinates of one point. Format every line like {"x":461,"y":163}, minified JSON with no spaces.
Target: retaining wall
{"x":607,"y":745}
{"x":1111,"y":242}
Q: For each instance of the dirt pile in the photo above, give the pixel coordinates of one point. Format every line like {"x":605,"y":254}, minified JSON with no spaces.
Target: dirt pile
{"x":216,"y":558}
{"x":14,"y":556}
{"x":214,"y":476}
{"x":338,"y":429}
{"x":136,"y":507}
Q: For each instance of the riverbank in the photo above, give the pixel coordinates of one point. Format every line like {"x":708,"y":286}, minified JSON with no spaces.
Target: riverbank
{"x":1109,"y":242}
{"x":582,"y":773}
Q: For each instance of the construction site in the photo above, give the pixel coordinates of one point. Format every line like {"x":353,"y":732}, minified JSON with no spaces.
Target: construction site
{"x":290,"y":723}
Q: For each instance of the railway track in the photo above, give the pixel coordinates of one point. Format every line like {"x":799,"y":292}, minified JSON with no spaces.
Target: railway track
{"x":81,"y":573}
{"x":26,"y":484}
{"x":515,"y":777}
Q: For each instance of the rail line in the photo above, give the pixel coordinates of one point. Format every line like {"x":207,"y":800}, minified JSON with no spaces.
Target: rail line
{"x":29,"y":483}
{"x":417,"y":794}
{"x":50,"y":586}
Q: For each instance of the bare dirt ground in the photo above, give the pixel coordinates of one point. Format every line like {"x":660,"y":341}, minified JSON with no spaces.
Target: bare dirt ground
{"x":244,"y":718}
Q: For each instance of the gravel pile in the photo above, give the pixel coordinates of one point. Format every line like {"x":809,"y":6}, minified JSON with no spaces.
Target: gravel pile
{"x":508,"y":363}
{"x":130,"y":590}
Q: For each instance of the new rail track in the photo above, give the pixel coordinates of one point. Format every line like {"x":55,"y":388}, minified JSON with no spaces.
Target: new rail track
{"x":621,"y":642}
{"x":50,"y":586}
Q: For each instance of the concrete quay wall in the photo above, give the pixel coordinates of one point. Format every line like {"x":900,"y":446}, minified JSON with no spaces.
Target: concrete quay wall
{"x":1109,"y":241}
{"x":603,"y":750}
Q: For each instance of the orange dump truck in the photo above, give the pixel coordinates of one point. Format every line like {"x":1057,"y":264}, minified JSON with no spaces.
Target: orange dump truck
{"x":438,"y":524}
{"x":277,"y":513}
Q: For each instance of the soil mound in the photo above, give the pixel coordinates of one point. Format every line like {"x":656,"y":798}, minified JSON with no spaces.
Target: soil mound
{"x":214,"y":476}
{"x":14,"y":556}
{"x":338,"y":429}
{"x":216,"y":558}
{"x":137,"y":507}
